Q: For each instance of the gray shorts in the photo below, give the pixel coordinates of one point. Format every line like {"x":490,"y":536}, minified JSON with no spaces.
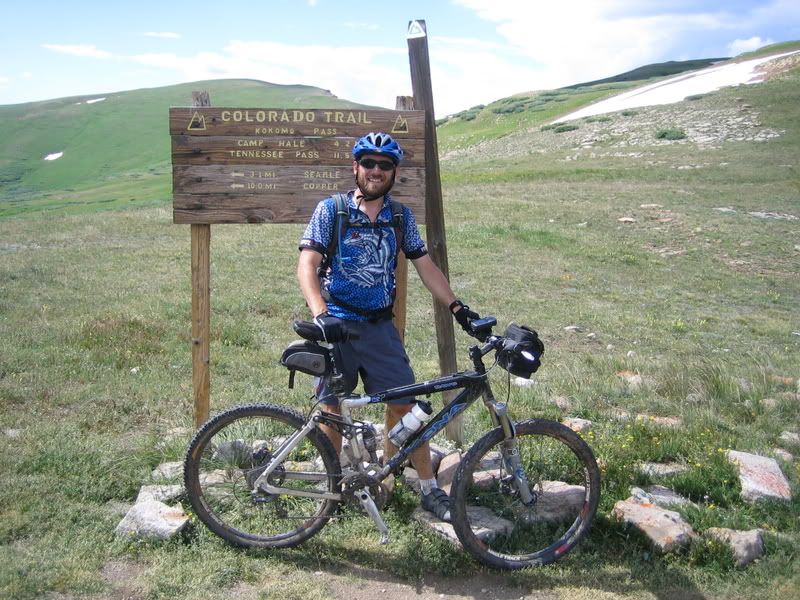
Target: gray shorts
{"x":377,"y":356}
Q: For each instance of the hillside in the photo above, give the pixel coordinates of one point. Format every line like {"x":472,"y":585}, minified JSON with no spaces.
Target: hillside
{"x":113,"y":151}
{"x":115,"y":148}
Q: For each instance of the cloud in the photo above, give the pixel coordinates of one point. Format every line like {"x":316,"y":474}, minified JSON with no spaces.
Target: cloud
{"x":748,"y":45}
{"x":572,"y":41}
{"x":167,"y":35}
{"x":326,"y":67}
{"x":87,"y":50}
{"x":27,"y":75}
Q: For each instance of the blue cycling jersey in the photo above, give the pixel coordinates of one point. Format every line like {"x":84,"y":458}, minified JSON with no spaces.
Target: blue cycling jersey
{"x":362,"y":272}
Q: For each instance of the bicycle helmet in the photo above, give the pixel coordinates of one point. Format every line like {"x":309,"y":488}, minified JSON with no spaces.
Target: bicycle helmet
{"x":378,"y":143}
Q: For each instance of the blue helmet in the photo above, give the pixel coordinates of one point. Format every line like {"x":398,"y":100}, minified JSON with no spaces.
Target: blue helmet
{"x":378,"y":143}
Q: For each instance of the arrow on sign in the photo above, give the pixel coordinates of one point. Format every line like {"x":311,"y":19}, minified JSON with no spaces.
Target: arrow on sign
{"x":237,"y":185}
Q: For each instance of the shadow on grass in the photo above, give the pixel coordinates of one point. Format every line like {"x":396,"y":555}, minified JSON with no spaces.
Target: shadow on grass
{"x":612,"y":560}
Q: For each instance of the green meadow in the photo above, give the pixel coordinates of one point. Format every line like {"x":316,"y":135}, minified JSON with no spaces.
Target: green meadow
{"x":624,"y":264}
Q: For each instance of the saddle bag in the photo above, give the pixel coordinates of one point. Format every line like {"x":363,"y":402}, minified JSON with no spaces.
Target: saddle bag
{"x":306,"y":357}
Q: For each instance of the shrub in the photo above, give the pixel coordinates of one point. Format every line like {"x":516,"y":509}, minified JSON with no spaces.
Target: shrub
{"x":670,"y":133}
{"x":565,"y":127}
{"x":630,"y":113}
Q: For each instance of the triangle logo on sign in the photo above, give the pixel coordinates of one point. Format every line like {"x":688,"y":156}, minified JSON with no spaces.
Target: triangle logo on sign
{"x":415,"y":30}
{"x":198,"y":122}
{"x":400,"y":125}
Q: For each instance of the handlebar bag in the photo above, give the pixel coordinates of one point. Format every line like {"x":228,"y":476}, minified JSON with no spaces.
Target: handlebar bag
{"x":522,"y":352}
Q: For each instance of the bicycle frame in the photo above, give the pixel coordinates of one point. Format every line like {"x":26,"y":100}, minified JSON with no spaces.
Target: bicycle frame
{"x":471,"y":383}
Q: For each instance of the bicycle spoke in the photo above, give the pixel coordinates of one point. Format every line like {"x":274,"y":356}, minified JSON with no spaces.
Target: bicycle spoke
{"x":492,"y":517}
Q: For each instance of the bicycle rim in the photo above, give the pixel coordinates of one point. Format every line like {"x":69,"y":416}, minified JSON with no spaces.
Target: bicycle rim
{"x":492,"y":520}
{"x":232,"y":450}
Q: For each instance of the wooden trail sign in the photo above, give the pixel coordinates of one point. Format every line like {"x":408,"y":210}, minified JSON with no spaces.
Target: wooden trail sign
{"x":273,"y":165}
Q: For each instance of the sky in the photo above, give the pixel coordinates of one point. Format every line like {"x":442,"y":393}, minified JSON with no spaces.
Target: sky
{"x":480,"y":50}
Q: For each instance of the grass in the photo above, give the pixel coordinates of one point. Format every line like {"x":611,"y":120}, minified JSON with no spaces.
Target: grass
{"x":95,"y":367}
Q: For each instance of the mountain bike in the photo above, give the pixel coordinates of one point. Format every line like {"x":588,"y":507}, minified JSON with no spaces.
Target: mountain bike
{"x":266,"y":476}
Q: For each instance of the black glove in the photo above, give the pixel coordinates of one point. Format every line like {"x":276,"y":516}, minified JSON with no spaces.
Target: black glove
{"x":333,"y":328}
{"x":463,"y":315}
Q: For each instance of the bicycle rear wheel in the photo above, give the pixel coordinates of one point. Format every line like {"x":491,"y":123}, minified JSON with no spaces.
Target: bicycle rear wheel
{"x":227,"y":455}
{"x":489,"y":515}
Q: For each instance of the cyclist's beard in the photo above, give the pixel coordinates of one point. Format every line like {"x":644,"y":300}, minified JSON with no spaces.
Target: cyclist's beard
{"x":370,"y":190}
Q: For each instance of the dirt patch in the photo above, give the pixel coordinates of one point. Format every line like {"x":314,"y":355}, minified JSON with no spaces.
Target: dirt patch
{"x":369,"y":584}
{"x":123,"y":578}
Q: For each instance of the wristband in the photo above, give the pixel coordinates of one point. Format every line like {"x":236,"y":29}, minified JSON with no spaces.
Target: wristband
{"x":455,"y":303}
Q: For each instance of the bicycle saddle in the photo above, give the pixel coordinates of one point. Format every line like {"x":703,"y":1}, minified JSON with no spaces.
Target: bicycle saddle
{"x":308,"y":331}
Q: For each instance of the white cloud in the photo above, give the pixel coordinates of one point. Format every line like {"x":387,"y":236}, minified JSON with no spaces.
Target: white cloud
{"x":572,"y":41}
{"x":167,"y":35}
{"x":748,"y":45}
{"x":326,"y":67}
{"x":88,"y":50}
{"x":27,"y":75}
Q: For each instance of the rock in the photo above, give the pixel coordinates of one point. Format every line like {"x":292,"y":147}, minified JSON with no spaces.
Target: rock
{"x":761,"y":477}
{"x":662,"y":421}
{"x":12,"y":433}
{"x":167,"y":470}
{"x":573,"y":328}
{"x":665,"y":497}
{"x":485,"y":524}
{"x":577,"y":424}
{"x":790,"y":437}
{"x":747,"y":546}
{"x":160,"y":493}
{"x":626,"y":220}
{"x":661,"y":469}
{"x":769,"y":403}
{"x":563,"y":403}
{"x":632,"y":380}
{"x":152,"y":519}
{"x":650,"y":206}
{"x":695,"y":397}
{"x":522,"y":382}
{"x":631,"y":354}
{"x":783,"y":455}
{"x":664,"y":528}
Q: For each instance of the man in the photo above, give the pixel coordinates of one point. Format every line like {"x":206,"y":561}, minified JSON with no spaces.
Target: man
{"x":359,"y":286}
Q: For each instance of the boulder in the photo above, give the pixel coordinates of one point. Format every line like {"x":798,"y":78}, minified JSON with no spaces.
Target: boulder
{"x":152,"y":519}
{"x":665,"y":529}
{"x":746,"y":546}
{"x":761,"y":477}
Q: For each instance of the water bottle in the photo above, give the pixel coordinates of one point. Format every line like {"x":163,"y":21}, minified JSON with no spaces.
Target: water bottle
{"x":410,"y":423}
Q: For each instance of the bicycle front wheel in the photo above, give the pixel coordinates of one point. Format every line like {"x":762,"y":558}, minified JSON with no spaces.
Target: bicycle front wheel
{"x":507,"y":527}
{"x":228,"y":454}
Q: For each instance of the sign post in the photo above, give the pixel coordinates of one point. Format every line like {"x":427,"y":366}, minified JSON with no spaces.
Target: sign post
{"x":417,"y":39}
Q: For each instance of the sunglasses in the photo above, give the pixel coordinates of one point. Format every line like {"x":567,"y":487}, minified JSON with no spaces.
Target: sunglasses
{"x":383,"y":165}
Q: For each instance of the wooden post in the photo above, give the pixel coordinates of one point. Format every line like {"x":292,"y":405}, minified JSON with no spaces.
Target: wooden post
{"x":417,"y":39}
{"x":401,"y":273}
{"x":201,"y":306}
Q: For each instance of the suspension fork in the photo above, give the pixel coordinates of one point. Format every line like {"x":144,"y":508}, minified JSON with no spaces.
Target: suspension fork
{"x":509,"y":447}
